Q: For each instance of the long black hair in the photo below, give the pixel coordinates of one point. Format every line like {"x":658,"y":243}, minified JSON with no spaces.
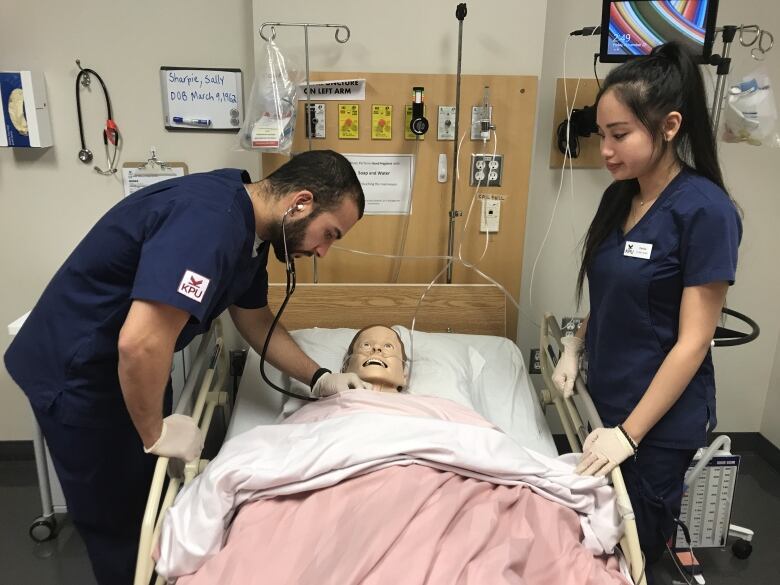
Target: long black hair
{"x":667,"y":80}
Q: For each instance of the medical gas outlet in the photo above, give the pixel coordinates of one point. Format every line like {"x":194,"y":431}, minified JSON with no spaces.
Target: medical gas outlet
{"x":446,"y":127}
{"x":315,"y":120}
{"x":486,"y":170}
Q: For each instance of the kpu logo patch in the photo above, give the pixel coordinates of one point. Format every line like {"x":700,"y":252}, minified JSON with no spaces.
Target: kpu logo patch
{"x":193,"y":285}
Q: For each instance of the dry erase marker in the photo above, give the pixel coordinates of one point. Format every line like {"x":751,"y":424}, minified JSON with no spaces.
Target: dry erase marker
{"x":192,"y":121}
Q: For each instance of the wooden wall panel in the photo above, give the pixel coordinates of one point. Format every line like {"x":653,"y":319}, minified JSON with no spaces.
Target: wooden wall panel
{"x":514,"y":102}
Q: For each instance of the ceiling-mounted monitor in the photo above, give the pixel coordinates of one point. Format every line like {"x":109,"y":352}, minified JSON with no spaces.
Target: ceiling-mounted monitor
{"x":631,"y":28}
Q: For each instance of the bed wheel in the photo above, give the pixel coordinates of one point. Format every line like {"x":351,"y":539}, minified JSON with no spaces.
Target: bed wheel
{"x":741,"y":548}
{"x":43,"y":529}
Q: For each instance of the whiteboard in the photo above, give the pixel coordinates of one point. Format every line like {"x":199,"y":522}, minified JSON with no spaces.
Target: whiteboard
{"x":198,"y":95}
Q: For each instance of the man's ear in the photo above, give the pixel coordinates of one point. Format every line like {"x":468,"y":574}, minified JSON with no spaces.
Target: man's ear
{"x":302,"y":203}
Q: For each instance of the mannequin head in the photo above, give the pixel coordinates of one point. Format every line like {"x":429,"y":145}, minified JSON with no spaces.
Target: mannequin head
{"x":377,"y":355}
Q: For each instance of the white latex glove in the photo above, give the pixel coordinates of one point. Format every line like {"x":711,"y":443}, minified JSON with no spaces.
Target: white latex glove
{"x":330,"y":383}
{"x":180,"y":439}
{"x":603,"y":450}
{"x":568,"y":366}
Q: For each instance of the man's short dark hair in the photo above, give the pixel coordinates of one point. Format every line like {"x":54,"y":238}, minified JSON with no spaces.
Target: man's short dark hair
{"x":327,"y":174}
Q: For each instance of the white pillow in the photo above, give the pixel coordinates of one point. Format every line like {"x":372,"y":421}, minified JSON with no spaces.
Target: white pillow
{"x":444,"y":365}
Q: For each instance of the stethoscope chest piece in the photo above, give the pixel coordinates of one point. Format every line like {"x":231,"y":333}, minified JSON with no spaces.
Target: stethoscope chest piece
{"x":85,"y":155}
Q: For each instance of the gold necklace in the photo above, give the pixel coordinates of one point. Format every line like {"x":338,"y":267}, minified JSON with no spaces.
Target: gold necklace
{"x":632,"y":217}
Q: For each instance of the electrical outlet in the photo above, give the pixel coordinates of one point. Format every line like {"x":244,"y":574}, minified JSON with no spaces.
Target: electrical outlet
{"x":486,"y":170}
{"x":536,"y":363}
{"x":490,"y":216}
{"x":237,"y":362}
{"x":446,"y":128}
{"x":569,"y":325}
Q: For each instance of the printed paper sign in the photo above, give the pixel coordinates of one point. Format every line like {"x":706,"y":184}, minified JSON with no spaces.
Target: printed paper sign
{"x":381,"y":122}
{"x":342,"y":89}
{"x":386,"y":181}
{"x":349,"y":121}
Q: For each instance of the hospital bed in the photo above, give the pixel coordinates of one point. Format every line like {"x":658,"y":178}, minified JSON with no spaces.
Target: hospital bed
{"x":475,"y":318}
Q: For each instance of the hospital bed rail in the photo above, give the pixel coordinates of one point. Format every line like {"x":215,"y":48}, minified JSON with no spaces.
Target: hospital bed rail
{"x":210,"y":394}
{"x":574,"y":420}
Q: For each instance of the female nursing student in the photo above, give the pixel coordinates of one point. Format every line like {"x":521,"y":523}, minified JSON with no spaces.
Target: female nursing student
{"x":659,"y":257}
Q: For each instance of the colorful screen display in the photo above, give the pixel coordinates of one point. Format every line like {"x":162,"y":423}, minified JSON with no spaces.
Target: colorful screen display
{"x":633,"y":27}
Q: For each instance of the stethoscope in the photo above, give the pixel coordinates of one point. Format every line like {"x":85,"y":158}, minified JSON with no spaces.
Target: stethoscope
{"x":290,"y":289}
{"x":110,"y":133}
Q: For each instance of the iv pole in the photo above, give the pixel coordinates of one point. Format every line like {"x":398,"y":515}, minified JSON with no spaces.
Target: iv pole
{"x":460,"y":14}
{"x":723,"y":63}
{"x":340,"y":28}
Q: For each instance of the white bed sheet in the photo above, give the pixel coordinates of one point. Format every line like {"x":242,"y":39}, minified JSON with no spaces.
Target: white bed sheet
{"x":503,"y":392}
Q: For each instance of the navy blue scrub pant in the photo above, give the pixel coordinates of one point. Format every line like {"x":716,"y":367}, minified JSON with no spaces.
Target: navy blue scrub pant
{"x":105,"y":477}
{"x":654,"y":481}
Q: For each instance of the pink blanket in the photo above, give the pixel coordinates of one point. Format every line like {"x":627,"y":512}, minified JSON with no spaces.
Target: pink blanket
{"x":370,"y":488}
{"x":407,"y":524}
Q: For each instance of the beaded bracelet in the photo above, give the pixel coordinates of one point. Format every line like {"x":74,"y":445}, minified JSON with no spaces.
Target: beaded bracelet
{"x":631,"y":441}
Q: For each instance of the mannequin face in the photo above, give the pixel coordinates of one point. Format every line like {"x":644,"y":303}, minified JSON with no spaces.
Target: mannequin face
{"x":377,"y":356}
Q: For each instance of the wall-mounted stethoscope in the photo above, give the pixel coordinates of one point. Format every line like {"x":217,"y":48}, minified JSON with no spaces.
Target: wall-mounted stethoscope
{"x":110,"y":132}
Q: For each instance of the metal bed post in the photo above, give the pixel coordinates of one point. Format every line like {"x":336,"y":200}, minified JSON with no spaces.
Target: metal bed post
{"x":576,"y":431}
{"x":210,"y":395}
{"x":306,"y":110}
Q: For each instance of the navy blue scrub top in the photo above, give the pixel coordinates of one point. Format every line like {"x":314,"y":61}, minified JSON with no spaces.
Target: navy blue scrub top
{"x":187,"y":242}
{"x":688,"y":237}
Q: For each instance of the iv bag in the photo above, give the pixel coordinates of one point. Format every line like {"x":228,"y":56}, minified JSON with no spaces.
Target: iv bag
{"x":751,"y":113}
{"x":269,"y":125}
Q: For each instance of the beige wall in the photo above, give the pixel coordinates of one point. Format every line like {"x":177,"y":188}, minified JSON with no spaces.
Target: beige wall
{"x":48,"y":199}
{"x":770,"y":424}
{"x":411,"y":36}
{"x":743,"y":373}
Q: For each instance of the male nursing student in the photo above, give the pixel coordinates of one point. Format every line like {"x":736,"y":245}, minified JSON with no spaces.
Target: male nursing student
{"x":95,"y":354}
{"x":659,"y":257}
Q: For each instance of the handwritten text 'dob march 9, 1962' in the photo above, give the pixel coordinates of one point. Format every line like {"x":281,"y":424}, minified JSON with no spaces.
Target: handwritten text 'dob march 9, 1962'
{"x":207,"y":87}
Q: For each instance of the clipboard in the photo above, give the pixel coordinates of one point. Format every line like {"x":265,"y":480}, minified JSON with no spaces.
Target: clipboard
{"x":137,"y":175}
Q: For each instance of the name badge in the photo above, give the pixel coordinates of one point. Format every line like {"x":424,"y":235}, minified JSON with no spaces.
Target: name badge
{"x":638,"y":250}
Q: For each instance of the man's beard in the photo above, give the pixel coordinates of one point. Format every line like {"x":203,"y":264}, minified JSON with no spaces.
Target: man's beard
{"x":295,"y":232}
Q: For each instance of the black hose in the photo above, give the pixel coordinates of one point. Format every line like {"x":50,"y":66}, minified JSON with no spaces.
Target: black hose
{"x":742,"y":339}
{"x":290,"y":290}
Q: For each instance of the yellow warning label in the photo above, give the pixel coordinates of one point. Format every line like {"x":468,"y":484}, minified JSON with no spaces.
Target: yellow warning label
{"x":381,"y":122}
{"x":349,"y":117}
{"x":408,"y":134}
